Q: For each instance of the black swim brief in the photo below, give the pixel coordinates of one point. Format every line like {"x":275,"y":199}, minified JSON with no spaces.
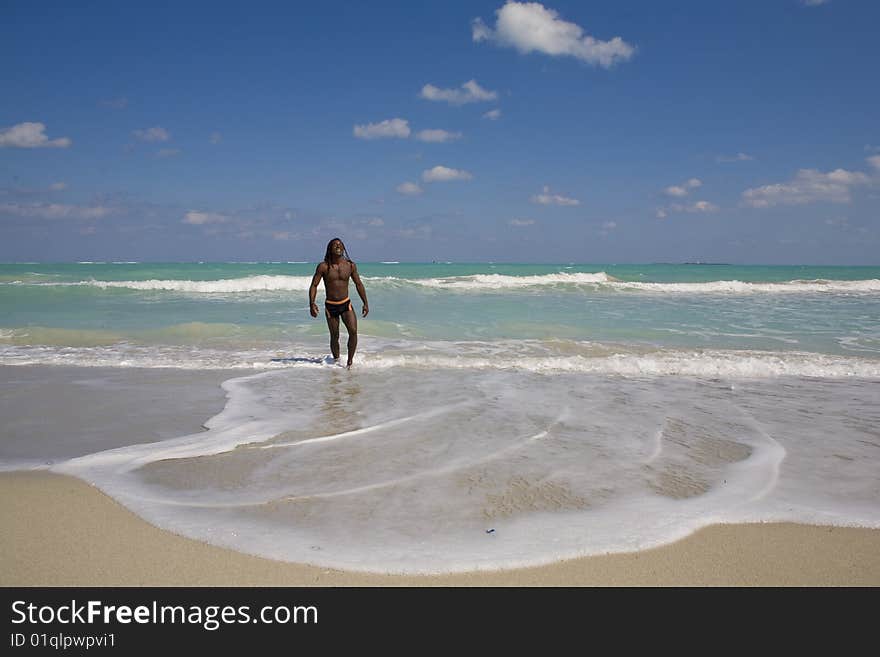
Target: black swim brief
{"x":338,"y":308}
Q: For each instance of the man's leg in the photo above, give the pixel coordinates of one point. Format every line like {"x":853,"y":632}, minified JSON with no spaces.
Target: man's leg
{"x":351,"y":325}
{"x":333,"y":325}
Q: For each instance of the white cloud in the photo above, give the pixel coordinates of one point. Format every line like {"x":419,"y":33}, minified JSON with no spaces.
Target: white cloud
{"x":531,"y":27}
{"x":445,"y":174}
{"x":55,"y":211}
{"x":492,"y":115}
{"x":376,"y":221}
{"x":696,"y":206}
{"x":684,"y":189}
{"x":874,"y":161}
{"x":58,"y":186}
{"x":814,"y":3}
{"x":215,"y":138}
{"x":808,"y":186}
{"x":690,"y":208}
{"x":409,"y":189}
{"x":152,"y":134}
{"x":546,"y":198}
{"x":437,"y":135}
{"x":200,"y":218}
{"x":398,"y":128}
{"x":702,"y":206}
{"x":470,"y":92}
{"x":30,"y":135}
{"x":167,"y":152}
{"x":521,"y":222}
{"x":739,"y":157}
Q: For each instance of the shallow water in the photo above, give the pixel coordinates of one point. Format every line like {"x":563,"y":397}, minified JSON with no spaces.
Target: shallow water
{"x":496,"y":416}
{"x":412,"y":471}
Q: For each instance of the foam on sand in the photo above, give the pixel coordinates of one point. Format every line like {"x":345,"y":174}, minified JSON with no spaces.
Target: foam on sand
{"x":407,"y":472}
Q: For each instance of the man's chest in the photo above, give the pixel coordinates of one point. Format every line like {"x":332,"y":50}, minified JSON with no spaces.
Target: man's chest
{"x":341,"y":272}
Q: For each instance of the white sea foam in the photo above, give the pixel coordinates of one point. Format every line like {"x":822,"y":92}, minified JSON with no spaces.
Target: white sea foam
{"x":712,"y":364}
{"x":409,"y":473}
{"x":502,"y":282}
{"x":705,"y":364}
{"x":744,"y":287}
{"x":224,"y":286}
{"x":602,"y":280}
{"x":599,"y":281}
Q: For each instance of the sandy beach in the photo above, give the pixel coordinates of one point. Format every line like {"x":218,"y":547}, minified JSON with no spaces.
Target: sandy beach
{"x":60,"y":531}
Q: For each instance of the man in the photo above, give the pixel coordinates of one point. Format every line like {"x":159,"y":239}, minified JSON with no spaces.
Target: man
{"x":336,"y":269}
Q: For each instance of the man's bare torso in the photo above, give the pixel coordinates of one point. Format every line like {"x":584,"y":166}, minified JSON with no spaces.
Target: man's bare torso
{"x":336,"y":277}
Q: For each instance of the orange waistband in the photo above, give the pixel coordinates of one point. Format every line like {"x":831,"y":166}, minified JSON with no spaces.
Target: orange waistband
{"x":338,"y":303}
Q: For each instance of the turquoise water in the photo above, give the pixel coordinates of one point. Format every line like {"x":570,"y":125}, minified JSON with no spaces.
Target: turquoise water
{"x":569,"y":409}
{"x":246,"y":309}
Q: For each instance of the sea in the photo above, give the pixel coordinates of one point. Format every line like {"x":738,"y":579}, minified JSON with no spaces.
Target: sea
{"x":496,"y":416}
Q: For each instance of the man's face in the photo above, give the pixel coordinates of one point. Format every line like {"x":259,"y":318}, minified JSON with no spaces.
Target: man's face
{"x":336,"y":248}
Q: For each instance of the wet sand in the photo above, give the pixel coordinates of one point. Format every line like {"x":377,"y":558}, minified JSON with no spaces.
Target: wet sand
{"x":60,"y":531}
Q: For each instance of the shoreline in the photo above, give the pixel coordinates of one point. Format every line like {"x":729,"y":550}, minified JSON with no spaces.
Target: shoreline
{"x":61,"y":531}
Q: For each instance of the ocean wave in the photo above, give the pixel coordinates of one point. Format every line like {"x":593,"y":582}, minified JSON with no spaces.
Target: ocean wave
{"x":502,"y":281}
{"x":599,"y":281}
{"x":747,"y":287}
{"x":714,"y":364}
{"x":223,"y":286}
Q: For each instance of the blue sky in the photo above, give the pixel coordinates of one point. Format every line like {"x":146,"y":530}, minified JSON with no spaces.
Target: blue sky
{"x":740,"y":131}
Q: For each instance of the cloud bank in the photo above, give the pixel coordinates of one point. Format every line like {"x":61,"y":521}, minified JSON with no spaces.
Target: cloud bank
{"x":196,"y":218}
{"x":55,"y":211}
{"x":809,"y":186}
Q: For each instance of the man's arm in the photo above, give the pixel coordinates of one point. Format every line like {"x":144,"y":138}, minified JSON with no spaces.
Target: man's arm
{"x":359,"y":286}
{"x":313,"y":288}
